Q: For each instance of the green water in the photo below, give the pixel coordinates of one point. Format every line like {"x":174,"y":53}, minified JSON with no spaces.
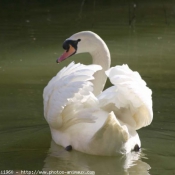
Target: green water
{"x":140,"y":34}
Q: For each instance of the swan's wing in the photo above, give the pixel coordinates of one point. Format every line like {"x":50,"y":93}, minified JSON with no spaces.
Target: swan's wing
{"x":129,"y":98}
{"x":70,"y":85}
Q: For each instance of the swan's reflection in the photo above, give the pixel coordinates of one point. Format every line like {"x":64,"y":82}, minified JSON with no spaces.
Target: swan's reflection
{"x":59,"y":159}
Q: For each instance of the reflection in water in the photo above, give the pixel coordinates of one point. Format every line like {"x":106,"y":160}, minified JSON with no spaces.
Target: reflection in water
{"x":59,"y":159}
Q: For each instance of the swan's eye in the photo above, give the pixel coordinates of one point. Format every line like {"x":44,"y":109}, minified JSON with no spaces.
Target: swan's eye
{"x":73,"y":43}
{"x":66,"y":46}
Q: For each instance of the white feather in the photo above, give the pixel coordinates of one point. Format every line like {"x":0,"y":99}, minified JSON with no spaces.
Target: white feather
{"x":70,"y":84}
{"x":130,"y":95}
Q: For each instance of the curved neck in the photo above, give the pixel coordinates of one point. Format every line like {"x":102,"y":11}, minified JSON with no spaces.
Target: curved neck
{"x":100,"y":56}
{"x":92,"y":43}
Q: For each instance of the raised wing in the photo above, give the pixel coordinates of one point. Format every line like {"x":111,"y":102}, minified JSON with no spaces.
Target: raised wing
{"x":129,"y":98}
{"x":70,"y":85}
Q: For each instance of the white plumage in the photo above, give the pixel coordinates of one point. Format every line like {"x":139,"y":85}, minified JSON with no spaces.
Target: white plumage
{"x":130,"y":98}
{"x":103,"y":124}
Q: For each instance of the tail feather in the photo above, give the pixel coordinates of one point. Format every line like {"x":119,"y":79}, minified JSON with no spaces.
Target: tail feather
{"x":111,"y":136}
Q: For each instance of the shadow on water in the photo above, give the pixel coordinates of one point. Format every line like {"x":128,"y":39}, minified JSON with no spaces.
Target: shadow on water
{"x":60,"y":159}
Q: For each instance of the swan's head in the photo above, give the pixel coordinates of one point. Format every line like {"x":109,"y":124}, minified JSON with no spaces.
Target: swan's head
{"x":81,"y":42}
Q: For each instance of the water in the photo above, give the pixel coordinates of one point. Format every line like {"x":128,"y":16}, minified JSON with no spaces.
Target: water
{"x":140,"y":34}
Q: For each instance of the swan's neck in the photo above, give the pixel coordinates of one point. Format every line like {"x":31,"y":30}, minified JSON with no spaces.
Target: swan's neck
{"x":100,"y":56}
{"x":92,"y":43}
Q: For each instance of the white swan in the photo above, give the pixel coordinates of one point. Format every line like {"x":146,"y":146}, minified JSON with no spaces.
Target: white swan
{"x":86,"y":119}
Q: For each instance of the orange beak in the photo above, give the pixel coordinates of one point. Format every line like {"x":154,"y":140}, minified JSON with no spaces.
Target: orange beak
{"x":66,"y":54}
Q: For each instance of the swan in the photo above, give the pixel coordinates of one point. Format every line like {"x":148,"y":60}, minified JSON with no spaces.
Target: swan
{"x":82,"y":116}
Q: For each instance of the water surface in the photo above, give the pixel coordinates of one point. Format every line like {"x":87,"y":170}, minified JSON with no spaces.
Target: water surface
{"x":140,"y":34}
